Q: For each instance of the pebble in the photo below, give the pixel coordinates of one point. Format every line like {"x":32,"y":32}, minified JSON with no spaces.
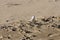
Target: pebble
{"x":14,"y":29}
{"x":58,"y":26}
{"x":28,"y":31}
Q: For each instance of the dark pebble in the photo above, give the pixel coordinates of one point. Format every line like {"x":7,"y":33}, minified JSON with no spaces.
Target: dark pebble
{"x":53,"y":17}
{"x":28,"y":31}
{"x":27,"y":37}
{"x":34,"y":35}
{"x":7,"y":20}
{"x":54,"y":25}
{"x":9,"y":38}
{"x":45,"y":20}
{"x":23,"y":39}
{"x":49,"y":34}
{"x":58,"y":26}
{"x":14,"y":29}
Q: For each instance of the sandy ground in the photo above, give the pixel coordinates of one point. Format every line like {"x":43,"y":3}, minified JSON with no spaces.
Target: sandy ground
{"x":47,"y":28}
{"x":26,"y":8}
{"x":14,"y":10}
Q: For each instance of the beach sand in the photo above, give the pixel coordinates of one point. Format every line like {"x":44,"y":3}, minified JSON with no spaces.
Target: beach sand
{"x":12,"y":11}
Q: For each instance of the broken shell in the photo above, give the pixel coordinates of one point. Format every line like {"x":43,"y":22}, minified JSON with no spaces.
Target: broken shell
{"x":32,"y":19}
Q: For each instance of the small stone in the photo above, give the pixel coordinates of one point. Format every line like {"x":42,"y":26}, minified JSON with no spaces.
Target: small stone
{"x":13,"y":29}
{"x":34,"y":35}
{"x":9,"y":36}
{"x":53,"y":17}
{"x":7,"y":20}
{"x":28,"y":31}
{"x":23,"y":39}
{"x":27,"y":37}
{"x":49,"y":34}
{"x":45,"y":20}
{"x":58,"y":26}
{"x":54,"y":25}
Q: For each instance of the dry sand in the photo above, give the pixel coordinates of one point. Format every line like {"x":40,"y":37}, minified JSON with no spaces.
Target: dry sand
{"x":12,"y":11}
{"x":47,"y":28}
{"x":26,"y":8}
